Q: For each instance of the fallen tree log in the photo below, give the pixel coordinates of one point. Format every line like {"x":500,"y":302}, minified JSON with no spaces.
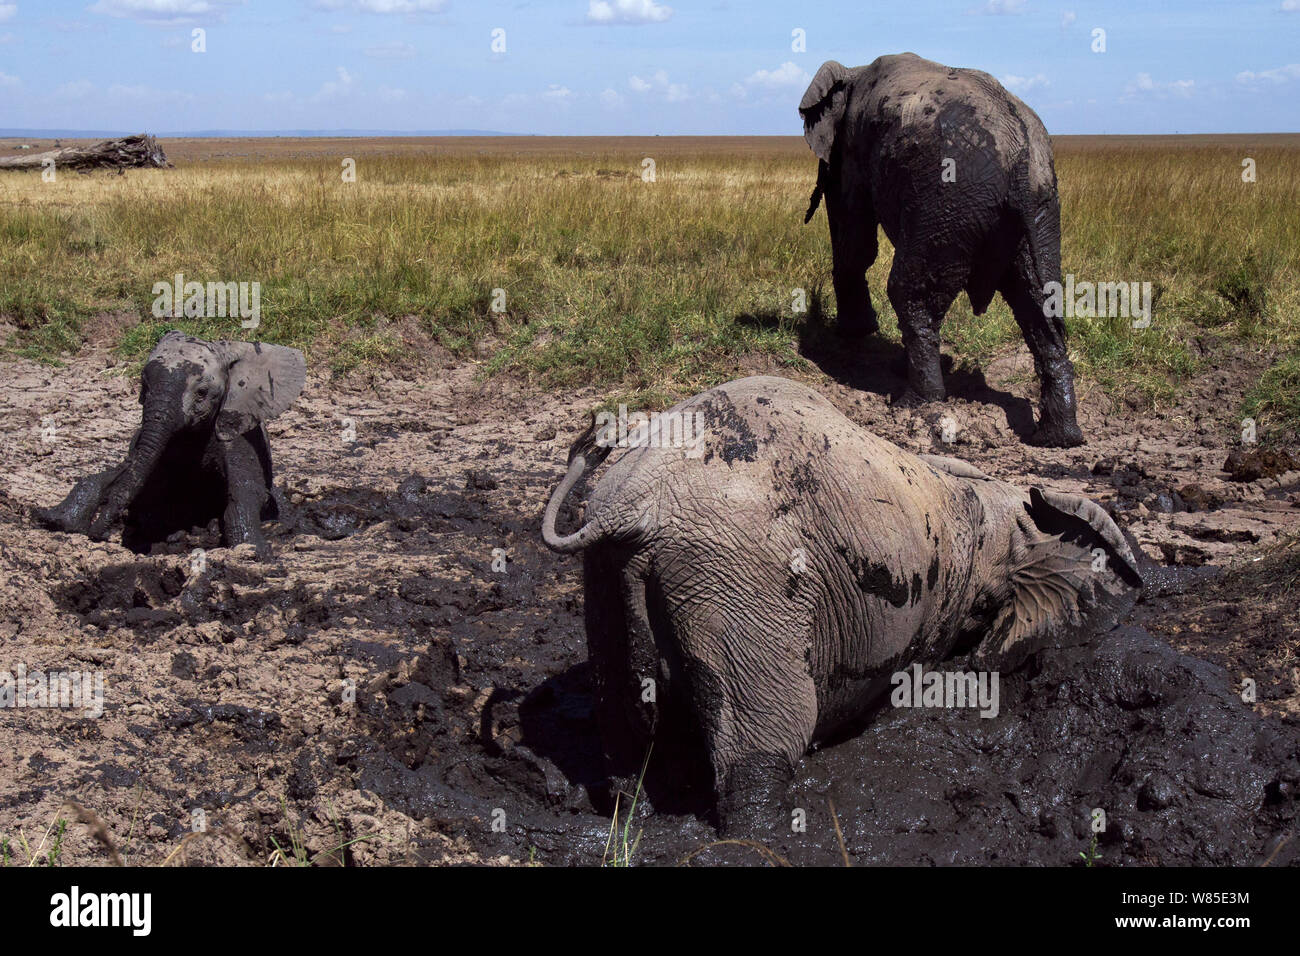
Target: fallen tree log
{"x":129,"y":152}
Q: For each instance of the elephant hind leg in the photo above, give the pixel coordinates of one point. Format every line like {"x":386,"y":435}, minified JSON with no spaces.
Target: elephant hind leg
{"x":921,"y":296}
{"x":619,"y":649}
{"x":1045,"y":335}
{"x":757,"y":707}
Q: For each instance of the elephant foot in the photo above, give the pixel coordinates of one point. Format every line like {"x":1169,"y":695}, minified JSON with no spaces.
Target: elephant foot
{"x":102,"y":526}
{"x":1054,"y":435}
{"x":857,"y":329}
{"x":911,"y":398}
{"x":261,"y":547}
{"x":749,"y":806}
{"x":57,"y":519}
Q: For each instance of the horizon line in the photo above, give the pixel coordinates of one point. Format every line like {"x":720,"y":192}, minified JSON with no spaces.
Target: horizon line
{"x":65,"y":133}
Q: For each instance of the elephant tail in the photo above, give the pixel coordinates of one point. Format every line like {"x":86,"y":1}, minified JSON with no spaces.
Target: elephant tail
{"x":816,"y":199}
{"x":585,"y":454}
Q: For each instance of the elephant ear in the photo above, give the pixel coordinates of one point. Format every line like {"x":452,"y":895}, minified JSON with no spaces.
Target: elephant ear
{"x":1072,"y":576}
{"x":822,"y":107}
{"x":264,"y":380}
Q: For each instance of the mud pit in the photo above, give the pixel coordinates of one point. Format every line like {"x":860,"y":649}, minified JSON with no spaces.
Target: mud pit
{"x":225,"y":688}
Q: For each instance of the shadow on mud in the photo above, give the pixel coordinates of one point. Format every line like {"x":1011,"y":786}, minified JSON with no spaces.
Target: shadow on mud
{"x":875,"y":364}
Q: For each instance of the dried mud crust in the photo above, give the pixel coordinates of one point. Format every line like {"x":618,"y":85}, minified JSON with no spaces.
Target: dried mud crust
{"x":471,"y":738}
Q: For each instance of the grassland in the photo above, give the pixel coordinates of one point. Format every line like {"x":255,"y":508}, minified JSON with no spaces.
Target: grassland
{"x":661,"y":287}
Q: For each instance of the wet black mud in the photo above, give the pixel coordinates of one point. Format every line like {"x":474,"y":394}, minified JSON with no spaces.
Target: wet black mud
{"x":476,"y":717}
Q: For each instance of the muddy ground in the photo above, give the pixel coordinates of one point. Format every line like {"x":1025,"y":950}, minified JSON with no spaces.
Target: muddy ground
{"x":471,"y":739}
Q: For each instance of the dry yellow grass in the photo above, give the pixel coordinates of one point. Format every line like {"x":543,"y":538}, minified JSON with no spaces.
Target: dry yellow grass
{"x":661,"y":286}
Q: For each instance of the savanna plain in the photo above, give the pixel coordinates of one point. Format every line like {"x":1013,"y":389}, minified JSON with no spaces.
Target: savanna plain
{"x":406,"y":683}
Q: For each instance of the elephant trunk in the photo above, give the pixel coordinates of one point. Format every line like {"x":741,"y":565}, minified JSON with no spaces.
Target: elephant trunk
{"x":823,"y":171}
{"x":585,"y":453}
{"x":156,"y":429}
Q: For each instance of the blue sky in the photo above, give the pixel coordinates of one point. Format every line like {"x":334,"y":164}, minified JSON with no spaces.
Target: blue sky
{"x":595,"y":67}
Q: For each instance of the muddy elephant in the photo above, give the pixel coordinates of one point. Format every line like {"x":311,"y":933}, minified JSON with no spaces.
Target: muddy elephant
{"x":201,"y":451}
{"x":767,"y":580}
{"x":959,"y":173}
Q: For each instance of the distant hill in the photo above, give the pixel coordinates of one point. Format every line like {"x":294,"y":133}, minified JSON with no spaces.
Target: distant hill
{"x":244,"y":133}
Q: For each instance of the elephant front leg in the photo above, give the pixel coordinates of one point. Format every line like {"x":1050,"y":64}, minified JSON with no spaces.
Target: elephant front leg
{"x":75,"y":513}
{"x":246,"y":495}
{"x":854,"y":245}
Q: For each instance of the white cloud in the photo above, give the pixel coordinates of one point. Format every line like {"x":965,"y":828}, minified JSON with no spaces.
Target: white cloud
{"x":553,"y":95}
{"x":341,"y":86}
{"x":1291,"y":6}
{"x":786,"y":76}
{"x":141,"y":93}
{"x":627,"y":11}
{"x":9,"y":81}
{"x":332,"y":88}
{"x":164,"y":11}
{"x":1068,"y":17}
{"x":391,"y":51}
{"x":7,"y":10}
{"x":1024,"y":84}
{"x":389,"y":6}
{"x":1146,"y":86}
{"x":1000,"y":7}
{"x":391,"y":94}
{"x":660,"y":85}
{"x":1282,"y":74}
{"x":611,"y":99}
{"x":75,"y":90}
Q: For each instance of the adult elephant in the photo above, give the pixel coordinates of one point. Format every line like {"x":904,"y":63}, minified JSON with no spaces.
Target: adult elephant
{"x":766,"y":581}
{"x":959,"y":174}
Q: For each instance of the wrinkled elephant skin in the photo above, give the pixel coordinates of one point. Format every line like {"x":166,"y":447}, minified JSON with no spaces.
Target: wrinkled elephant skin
{"x":769,"y":581}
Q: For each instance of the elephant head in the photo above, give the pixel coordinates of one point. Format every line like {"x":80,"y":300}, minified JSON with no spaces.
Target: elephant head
{"x":1051,"y":569}
{"x":197,"y":388}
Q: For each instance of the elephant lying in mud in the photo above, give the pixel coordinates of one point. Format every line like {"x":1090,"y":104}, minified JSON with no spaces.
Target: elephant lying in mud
{"x":201,"y":451}
{"x":959,"y":174}
{"x":771,"y":578}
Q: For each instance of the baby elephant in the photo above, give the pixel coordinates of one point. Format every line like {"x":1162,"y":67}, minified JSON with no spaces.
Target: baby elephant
{"x":753,"y":593}
{"x":201,"y":451}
